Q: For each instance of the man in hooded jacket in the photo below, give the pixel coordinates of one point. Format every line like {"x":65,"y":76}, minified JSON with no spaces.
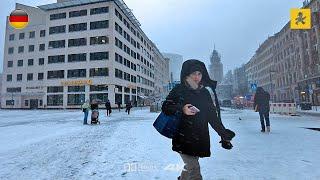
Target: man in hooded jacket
{"x":192,"y":139}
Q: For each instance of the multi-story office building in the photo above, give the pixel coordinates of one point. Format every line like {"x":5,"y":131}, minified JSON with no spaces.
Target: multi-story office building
{"x":240,"y":84}
{"x":161,"y":72}
{"x":175,"y":65}
{"x":75,"y":50}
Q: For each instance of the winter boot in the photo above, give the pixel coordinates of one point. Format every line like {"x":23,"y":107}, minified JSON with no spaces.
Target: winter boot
{"x":268,"y":128}
{"x":263,"y":129}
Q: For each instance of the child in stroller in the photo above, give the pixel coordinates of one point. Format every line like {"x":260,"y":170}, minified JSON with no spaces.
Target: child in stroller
{"x":95,"y":117}
{"x":95,"y":112}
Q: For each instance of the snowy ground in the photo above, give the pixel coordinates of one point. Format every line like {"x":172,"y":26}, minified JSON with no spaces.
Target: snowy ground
{"x":55,"y":145}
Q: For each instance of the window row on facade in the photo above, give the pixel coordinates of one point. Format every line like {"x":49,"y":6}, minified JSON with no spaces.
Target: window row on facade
{"x":79,"y":13}
{"x":96,"y":40}
{"x":60,"y":74}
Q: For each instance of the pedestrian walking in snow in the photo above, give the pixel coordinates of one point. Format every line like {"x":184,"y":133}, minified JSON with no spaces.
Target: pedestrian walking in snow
{"x":108,"y":107}
{"x":193,"y":99}
{"x":85,"y":107}
{"x":128,"y":107}
{"x":261,"y":105}
{"x":119,"y":105}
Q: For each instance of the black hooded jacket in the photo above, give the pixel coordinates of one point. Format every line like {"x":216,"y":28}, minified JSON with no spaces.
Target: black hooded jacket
{"x":193,"y":133}
{"x":261,"y":100}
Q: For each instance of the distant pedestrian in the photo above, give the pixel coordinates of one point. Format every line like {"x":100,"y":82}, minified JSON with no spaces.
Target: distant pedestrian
{"x":128,"y":107}
{"x":108,"y":107}
{"x":119,"y":105}
{"x":85,"y":107}
{"x":261,"y":105}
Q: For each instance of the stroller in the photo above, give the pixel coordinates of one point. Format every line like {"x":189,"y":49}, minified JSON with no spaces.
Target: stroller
{"x":95,"y":117}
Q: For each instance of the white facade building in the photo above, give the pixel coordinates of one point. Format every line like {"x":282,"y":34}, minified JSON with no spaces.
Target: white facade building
{"x":75,"y":50}
{"x":175,"y":65}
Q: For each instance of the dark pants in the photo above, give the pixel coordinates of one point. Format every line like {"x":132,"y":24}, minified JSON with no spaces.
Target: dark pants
{"x":108,"y":112}
{"x":264,"y":116}
{"x":86,"y":112}
{"x":128,"y":110}
{"x":119,"y":107}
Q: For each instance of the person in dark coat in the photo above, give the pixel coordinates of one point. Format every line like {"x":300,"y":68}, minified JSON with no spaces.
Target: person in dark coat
{"x":128,"y":107}
{"x":119,"y":105}
{"x":261,"y":105}
{"x":193,"y":99}
{"x":108,"y":107}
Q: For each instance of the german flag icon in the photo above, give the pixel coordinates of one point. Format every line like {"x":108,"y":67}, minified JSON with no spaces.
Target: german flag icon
{"x":18,"y":19}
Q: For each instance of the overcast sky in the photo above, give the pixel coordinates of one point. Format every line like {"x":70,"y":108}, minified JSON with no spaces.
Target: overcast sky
{"x":192,"y":27}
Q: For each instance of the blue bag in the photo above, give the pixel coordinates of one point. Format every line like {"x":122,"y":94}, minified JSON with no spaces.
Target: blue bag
{"x":167,"y":125}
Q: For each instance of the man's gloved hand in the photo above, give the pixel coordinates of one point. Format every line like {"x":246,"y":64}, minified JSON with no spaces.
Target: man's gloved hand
{"x":226,"y":144}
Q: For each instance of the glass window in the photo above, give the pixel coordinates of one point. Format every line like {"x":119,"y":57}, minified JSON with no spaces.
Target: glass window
{"x":58,"y":16}
{"x":55,"y":100}
{"x":101,"y":96}
{"x":77,"y":27}
{"x":56,"y":59}
{"x":30,"y":62}
{"x":76,"y":88}
{"x":77,"y":42}
{"x":99,"y":10}
{"x":41,"y":47}
{"x":41,"y":61}
{"x":42,"y":33}
{"x":20,"y":49}
{"x":40,"y":76}
{"x":57,"y":29}
{"x":99,"y":40}
{"x":20,"y":63}
{"x":11,"y":37}
{"x":102,"y":87}
{"x":29,"y":77}
{"x":31,"y":48}
{"x":10,"y":50}
{"x":57,"y":44}
{"x":76,"y":73}
{"x":59,"y":74}
{"x":76,"y":99}
{"x":54,"y":89}
{"x":26,"y":102}
{"x":99,"y":56}
{"x":9,"y":102}
{"x":9,"y":77}
{"x":10,"y":63}
{"x":99,"y":72}
{"x":19,"y":77}
{"x":21,"y":35}
{"x":32,"y":34}
{"x":77,"y":57}
{"x":77,"y":13}
{"x":99,"y":24}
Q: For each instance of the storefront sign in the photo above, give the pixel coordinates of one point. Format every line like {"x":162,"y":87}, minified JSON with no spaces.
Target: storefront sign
{"x":34,"y":87}
{"x":77,"y":82}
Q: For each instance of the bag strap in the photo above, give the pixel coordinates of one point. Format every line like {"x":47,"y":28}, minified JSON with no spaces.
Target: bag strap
{"x":216,"y":101}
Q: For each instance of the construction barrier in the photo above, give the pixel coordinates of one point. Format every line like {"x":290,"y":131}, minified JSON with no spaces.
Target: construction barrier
{"x":283,"y":108}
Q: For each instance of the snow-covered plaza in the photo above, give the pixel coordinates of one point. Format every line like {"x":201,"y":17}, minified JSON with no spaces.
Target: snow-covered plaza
{"x":43,"y":144}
